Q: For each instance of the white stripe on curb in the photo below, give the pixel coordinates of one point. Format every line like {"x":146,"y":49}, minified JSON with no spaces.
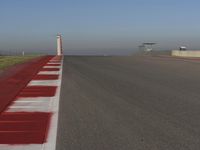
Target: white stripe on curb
{"x":52,"y":67}
{"x":49,"y":72}
{"x":43,"y":82}
{"x":49,"y":63}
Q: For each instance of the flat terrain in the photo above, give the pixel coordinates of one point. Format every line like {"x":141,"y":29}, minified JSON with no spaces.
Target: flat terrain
{"x":129,"y":103}
{"x":7,"y":61}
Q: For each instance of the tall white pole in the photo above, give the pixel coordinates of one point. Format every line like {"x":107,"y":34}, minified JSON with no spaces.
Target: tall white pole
{"x":59,"y":45}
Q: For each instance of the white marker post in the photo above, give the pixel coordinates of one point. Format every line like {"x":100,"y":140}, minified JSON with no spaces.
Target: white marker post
{"x":59,"y":45}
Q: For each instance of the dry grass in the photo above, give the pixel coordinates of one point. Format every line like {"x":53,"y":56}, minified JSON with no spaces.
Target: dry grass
{"x":7,"y":61}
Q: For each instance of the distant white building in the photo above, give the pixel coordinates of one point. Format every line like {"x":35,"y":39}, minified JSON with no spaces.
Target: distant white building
{"x":182,"y":48}
{"x":146,"y":47}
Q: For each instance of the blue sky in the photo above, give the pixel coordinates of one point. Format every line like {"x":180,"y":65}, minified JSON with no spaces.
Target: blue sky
{"x":103,"y":26}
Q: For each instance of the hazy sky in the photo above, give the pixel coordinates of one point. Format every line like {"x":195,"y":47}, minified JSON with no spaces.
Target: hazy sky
{"x":103,"y":26}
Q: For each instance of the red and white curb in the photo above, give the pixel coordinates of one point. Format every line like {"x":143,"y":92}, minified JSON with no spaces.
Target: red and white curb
{"x":44,"y":100}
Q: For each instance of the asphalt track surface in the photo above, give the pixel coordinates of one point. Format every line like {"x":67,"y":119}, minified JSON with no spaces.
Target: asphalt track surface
{"x":129,"y":103}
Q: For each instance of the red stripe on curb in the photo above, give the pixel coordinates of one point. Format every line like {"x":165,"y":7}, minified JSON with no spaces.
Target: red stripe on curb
{"x":46,"y":77}
{"x":38,"y":91}
{"x":24,"y":127}
{"x":50,"y":69}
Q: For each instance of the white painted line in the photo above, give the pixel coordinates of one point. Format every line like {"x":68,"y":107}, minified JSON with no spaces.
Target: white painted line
{"x":43,"y":83}
{"x":35,"y":105}
{"x":21,"y":147}
{"x":40,"y":101}
{"x":49,"y":72}
{"x":51,"y":140}
{"x":32,"y":104}
{"x":23,"y":107}
{"x":44,"y":108}
{"x":52,"y":67}
{"x":53,"y":63}
{"x":28,"y":108}
{"x":34,"y":99}
{"x":55,"y":59}
{"x":33,"y":109}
